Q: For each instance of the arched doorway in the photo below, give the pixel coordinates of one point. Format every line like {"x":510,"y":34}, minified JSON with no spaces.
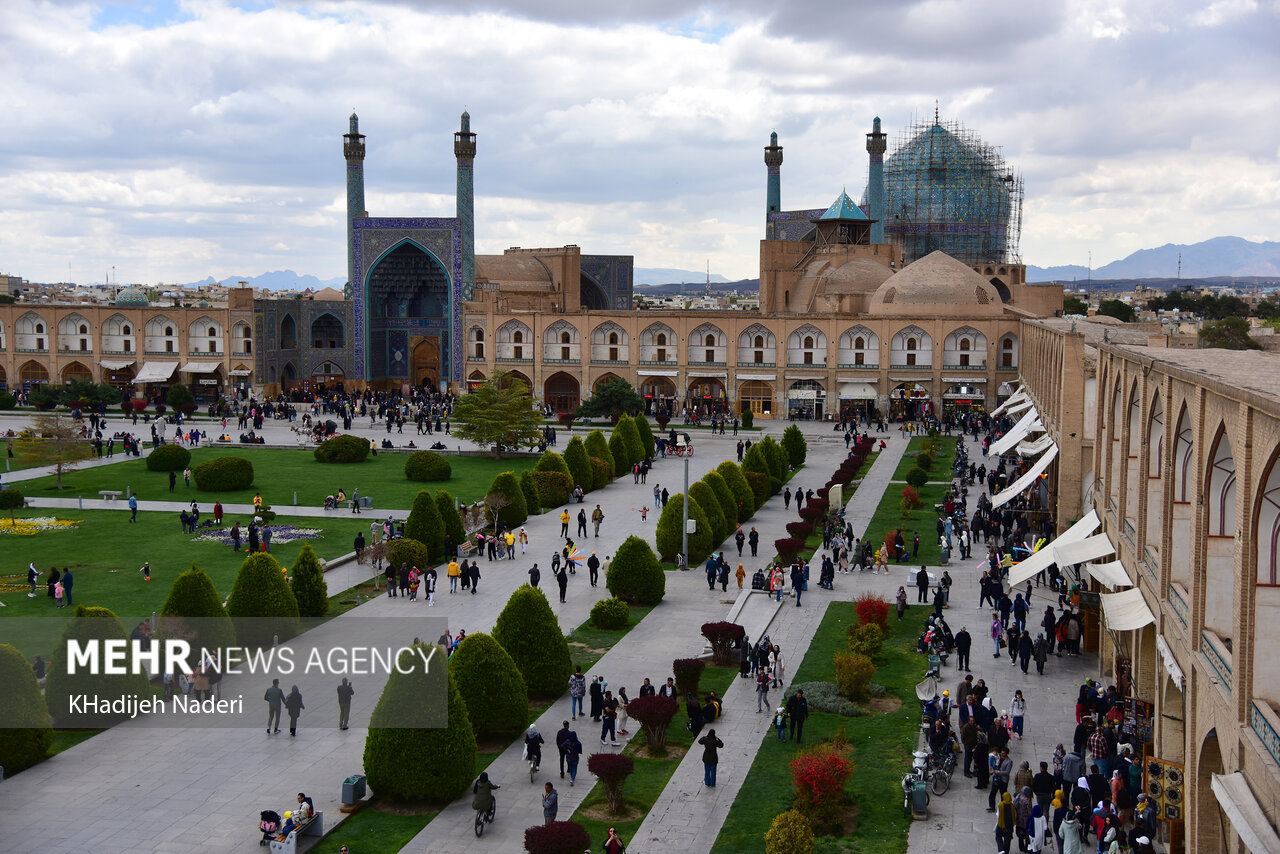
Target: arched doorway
{"x":909,"y":400}
{"x":706,"y":396}
{"x":32,"y":374}
{"x":560,"y":392}
{"x":1208,"y":834}
{"x":327,"y":372}
{"x":4,"y":379}
{"x":756,"y":396}
{"x":426,"y":362}
{"x":407,"y":288}
{"x":76,"y":371}
{"x":288,"y":333}
{"x":659,"y":395}
{"x":288,"y":376}
{"x":517,"y":376}
{"x":475,"y":380}
{"x":806,"y":401}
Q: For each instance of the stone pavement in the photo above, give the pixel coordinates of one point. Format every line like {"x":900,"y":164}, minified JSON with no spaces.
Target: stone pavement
{"x":144,"y":787}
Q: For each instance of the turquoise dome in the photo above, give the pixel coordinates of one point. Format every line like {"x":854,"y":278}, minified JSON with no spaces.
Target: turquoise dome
{"x":132,"y":296}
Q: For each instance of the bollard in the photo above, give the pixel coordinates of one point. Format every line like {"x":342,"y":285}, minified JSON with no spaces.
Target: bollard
{"x":80,"y":498}
{"x":295,"y":498}
{"x":128,"y":491}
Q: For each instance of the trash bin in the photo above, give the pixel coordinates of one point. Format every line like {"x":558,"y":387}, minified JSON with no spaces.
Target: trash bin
{"x":353,"y":789}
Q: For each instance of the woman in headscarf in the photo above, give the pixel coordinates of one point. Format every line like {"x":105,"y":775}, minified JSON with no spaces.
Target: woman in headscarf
{"x":1006,"y":819}
{"x":1121,"y":800}
{"x":1080,"y":798}
{"x":1037,"y":828}
{"x":1060,"y":810}
{"x":1022,"y":805}
{"x":1072,"y":835}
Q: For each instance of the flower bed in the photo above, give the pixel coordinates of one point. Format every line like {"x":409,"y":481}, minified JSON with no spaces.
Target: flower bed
{"x":279,"y":534}
{"x":36,"y":525}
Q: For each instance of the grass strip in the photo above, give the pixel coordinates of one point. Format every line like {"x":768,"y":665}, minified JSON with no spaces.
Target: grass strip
{"x":923,"y":520}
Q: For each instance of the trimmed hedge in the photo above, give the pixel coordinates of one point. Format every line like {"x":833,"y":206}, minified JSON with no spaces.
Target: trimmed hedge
{"x":262,"y":605}
{"x":551,"y":461}
{"x":635,"y":575}
{"x":529,"y":488}
{"x":193,"y":611}
{"x":408,"y":756}
{"x":791,"y":832}
{"x":853,"y":674}
{"x":405,"y":550}
{"x":917,"y":477}
{"x":516,"y":510}
{"x":670,"y":531}
{"x":598,"y":446}
{"x":626,"y":427}
{"x":728,"y":506}
{"x":427,"y":466}
{"x":224,"y":474}
{"x":168,"y":458}
{"x":794,"y":446}
{"x":759,"y":484}
{"x":575,"y":457}
{"x":89,"y":626}
{"x":776,"y":456}
{"x":618,"y":448}
{"x":755,"y":460}
{"x":309,"y":587}
{"x":491,"y":685}
{"x":601,"y":471}
{"x":739,"y":488}
{"x":924,"y":461}
{"x":646,"y":435}
{"x":611,"y":613}
{"x":529,"y":631}
{"x":558,"y":837}
{"x":342,"y":449}
{"x":28,"y":730}
{"x":688,"y":673}
{"x":710,"y":505}
{"x":553,"y":487}
{"x":425,"y":525}
{"x":450,"y":518}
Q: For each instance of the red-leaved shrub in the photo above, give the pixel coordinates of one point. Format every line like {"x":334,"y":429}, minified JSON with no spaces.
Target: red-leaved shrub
{"x":820,"y":775}
{"x":559,"y":837}
{"x":612,"y":770}
{"x":799,"y":530}
{"x":688,"y":672}
{"x":723,"y":637}
{"x":872,"y":608}
{"x":788,"y":548}
{"x":654,"y":714}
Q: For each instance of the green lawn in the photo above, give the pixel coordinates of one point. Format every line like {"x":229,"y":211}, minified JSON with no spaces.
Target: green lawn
{"x":65,"y":739}
{"x":888,"y":516}
{"x":650,"y":777}
{"x":105,"y":552}
{"x":372,"y":831}
{"x":938,"y":471}
{"x":279,"y":473}
{"x":882,"y":745}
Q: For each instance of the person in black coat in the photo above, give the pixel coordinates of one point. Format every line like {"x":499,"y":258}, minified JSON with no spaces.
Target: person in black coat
{"x":710,"y":757}
{"x":562,"y":581}
{"x":797,"y":710}
{"x":596,"y":693}
{"x":745,"y":662}
{"x":293,"y":705}
{"x":964,"y":641}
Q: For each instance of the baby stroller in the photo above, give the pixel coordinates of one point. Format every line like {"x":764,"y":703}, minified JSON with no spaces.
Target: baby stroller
{"x":269,"y":824}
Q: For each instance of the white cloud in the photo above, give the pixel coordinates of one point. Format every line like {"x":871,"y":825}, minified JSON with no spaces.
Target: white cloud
{"x":212,"y":141}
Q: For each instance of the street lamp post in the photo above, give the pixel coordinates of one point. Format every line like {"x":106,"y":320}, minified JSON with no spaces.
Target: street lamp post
{"x":684,"y":530}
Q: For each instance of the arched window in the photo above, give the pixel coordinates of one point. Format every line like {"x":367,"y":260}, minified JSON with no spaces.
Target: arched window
{"x":242,"y":338}
{"x":475,"y":341}
{"x":1009,"y":351}
{"x":1267,"y":530}
{"x":511,"y":339}
{"x":609,"y":343}
{"x":714,"y":345}
{"x":807,"y":346}
{"x":966,"y":347}
{"x":1221,"y":492}
{"x":911,"y":347}
{"x":73,"y":334}
{"x":657,"y":344}
{"x":117,"y":335}
{"x":859,"y":348}
{"x":1182,"y":457}
{"x":560,"y":342}
{"x":757,"y":346}
{"x":328,"y":333}
{"x":159,"y":337}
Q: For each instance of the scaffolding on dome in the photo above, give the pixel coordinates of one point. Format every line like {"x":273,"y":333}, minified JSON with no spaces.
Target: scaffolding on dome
{"x":947,"y":189}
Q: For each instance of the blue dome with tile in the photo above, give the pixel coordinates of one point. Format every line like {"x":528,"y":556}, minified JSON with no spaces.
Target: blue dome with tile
{"x":132,"y":296}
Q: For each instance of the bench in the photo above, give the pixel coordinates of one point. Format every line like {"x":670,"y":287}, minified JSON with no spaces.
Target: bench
{"x":110,"y":494}
{"x":467,"y":547}
{"x":289,"y":844}
{"x":366,"y":502}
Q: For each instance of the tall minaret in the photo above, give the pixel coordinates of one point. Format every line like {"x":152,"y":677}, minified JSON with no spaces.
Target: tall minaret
{"x":353,"y":149}
{"x":773,"y":161}
{"x":464,"y":149}
{"x":875,"y":181}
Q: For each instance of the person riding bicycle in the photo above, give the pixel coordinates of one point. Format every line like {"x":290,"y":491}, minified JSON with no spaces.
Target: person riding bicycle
{"x":533,"y":746}
{"x":483,"y":789}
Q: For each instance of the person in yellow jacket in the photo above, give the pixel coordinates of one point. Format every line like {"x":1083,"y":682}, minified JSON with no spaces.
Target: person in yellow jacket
{"x":454,"y":574}
{"x":741,"y":574}
{"x":511,"y":544}
{"x":524,"y":539}
{"x":564,"y":523}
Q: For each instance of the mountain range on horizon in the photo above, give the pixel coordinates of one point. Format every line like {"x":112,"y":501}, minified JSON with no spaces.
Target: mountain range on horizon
{"x":1218,"y":256}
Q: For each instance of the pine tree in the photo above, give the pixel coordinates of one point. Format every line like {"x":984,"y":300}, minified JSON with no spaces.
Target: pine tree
{"x":646,"y":436}
{"x":529,"y":631}
{"x":309,"y":587}
{"x":28,"y":733}
{"x":529,"y":488}
{"x":450,"y":517}
{"x":575,"y":456}
{"x":626,"y":426}
{"x":671,"y":526}
{"x":193,"y":612}
{"x":598,"y":446}
{"x":738,"y":486}
{"x":425,"y":525}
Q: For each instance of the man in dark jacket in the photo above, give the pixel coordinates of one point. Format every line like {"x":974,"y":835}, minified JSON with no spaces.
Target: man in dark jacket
{"x":593,"y":564}
{"x":797,"y":710}
{"x":563,"y":736}
{"x":1043,"y":785}
{"x":964,"y":642}
{"x":753,"y":540}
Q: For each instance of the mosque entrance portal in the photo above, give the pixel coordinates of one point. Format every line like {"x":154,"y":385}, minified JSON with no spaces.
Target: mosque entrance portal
{"x":426,"y":362}
{"x":408,"y":305}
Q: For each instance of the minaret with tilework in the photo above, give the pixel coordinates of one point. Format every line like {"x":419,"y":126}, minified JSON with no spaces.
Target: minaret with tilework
{"x":876,"y":146}
{"x":773,"y":200}
{"x":464,"y":149}
{"x":353,"y":150}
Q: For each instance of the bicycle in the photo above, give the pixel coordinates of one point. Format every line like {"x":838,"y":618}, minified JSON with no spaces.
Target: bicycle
{"x":484,"y":817}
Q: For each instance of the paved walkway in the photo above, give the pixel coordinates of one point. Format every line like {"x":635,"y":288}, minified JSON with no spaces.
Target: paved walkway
{"x":142,"y":786}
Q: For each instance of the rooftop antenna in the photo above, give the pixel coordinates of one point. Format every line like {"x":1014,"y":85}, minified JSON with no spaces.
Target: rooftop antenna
{"x":1179,"y":266}
{"x":935,"y":111}
{"x":708,"y":278}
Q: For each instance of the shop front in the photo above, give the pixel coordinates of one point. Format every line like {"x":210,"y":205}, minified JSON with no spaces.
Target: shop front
{"x":707,"y":396}
{"x":806,"y":401}
{"x":659,"y":392}
{"x":857,"y":399}
{"x":964,"y":398}
{"x":756,"y":395}
{"x":910,"y":400}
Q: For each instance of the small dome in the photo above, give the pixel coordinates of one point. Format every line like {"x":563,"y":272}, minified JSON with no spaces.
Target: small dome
{"x":855,"y":276}
{"x":936,"y":285}
{"x":132,"y":296}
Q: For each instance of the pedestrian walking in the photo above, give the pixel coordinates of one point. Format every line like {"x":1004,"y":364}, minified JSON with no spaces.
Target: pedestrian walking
{"x":597,"y":516}
{"x":608,"y":719}
{"x":710,"y":757}
{"x":534,"y":575}
{"x":550,"y":803}
{"x":274,"y":698}
{"x":762,"y":687}
{"x":293,"y":705}
{"x":562,"y":581}
{"x":345,"y":693}
{"x":797,"y":711}
{"x":133,"y":510}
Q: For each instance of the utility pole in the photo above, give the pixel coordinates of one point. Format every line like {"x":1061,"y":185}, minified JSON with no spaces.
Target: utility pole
{"x":684,"y":530}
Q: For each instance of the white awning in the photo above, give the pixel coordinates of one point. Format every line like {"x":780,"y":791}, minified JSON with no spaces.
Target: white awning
{"x":1035,"y":446}
{"x":1024,"y":482}
{"x":919,"y":380}
{"x":644,"y":373}
{"x":241,"y":372}
{"x":1126,"y":611}
{"x":867,"y":380}
{"x":699,"y":375}
{"x":155,"y":372}
{"x":1112,"y":575}
{"x":1099,"y":545}
{"x":1170,"y":663}
{"x":201,"y":367}
{"x":800,"y":377}
{"x":857,"y":391}
{"x":1039,"y":561}
{"x":115,"y":364}
{"x":964,"y":379}
{"x":1022,"y":406}
{"x":768,"y":378}
{"x":1245,"y":813}
{"x":1013,"y":400}
{"x":1016,"y":433}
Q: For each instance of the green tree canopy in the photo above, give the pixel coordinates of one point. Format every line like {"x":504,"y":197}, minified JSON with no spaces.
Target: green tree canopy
{"x":793,"y":443}
{"x":27,"y":733}
{"x":1118,"y":309}
{"x":490,"y":683}
{"x":1230,"y":333}
{"x":307,"y":581}
{"x":626,"y":427}
{"x":505,"y":500}
{"x":1074,"y":305}
{"x":498,"y":414}
{"x":635,"y":575}
{"x":575,"y":456}
{"x":529,"y":631}
{"x":671,"y":526}
{"x":616,"y":397}
{"x":193,"y":612}
{"x":598,"y":446}
{"x":425,"y":525}
{"x":450,"y":516}
{"x":179,"y":396}
{"x":706,"y":499}
{"x":89,"y":626}
{"x":646,"y":435}
{"x":742,"y":494}
{"x":262,"y":604}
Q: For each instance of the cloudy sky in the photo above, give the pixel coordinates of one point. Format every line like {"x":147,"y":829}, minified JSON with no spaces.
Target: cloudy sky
{"x":175,"y":140}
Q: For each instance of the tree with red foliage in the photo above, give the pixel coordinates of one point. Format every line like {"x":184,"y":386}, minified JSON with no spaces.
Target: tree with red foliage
{"x":612,"y":770}
{"x":654,"y":714}
{"x":558,"y":837}
{"x":872,"y":608}
{"x":723,"y":636}
{"x":820,"y":776}
{"x":688,"y":672}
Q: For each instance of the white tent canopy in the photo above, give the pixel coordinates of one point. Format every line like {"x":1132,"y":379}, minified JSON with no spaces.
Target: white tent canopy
{"x":1112,"y":575}
{"x":1019,"y":408}
{"x":155,"y":372}
{"x":1013,"y":399}
{"x":1247,"y":816}
{"x":200,"y":367}
{"x":115,"y":364}
{"x":1126,"y":611}
{"x":1024,"y":482}
{"x":1036,"y":446}
{"x":1094,"y":547}
{"x":1016,"y":433}
{"x":1039,"y":561}
{"x":1170,"y":663}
